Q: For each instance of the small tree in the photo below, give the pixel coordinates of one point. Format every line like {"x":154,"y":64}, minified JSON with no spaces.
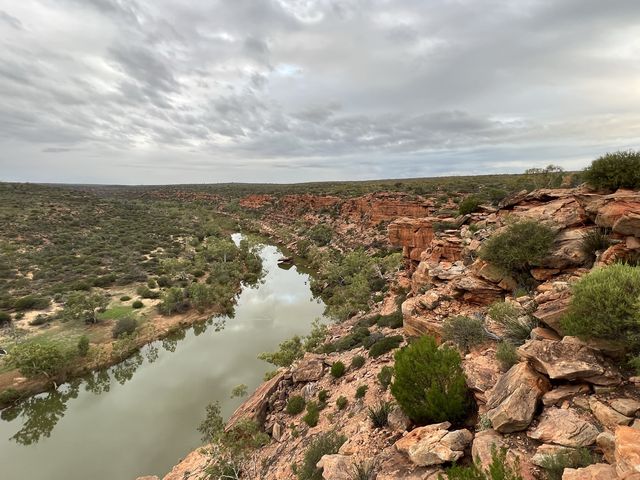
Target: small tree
{"x":429,"y":385}
{"x":38,"y":358}
{"x":82,"y":307}
{"x":289,"y":351}
{"x":83,"y":346}
{"x":615,"y":170}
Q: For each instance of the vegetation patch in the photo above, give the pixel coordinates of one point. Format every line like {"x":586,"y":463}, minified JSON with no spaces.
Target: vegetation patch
{"x":615,"y":170}
{"x":324,"y":444}
{"x":465,"y":332}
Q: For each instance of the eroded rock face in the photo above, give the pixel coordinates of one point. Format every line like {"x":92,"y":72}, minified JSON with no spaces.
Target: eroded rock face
{"x":434,"y":444}
{"x":597,"y":471}
{"x":477,"y":291}
{"x":564,"y":427}
{"x":564,"y":392}
{"x":627,"y":452}
{"x":309,"y":369}
{"x":564,"y":360}
{"x":482,"y":373}
{"x":255,"y":408}
{"x":513,"y":401}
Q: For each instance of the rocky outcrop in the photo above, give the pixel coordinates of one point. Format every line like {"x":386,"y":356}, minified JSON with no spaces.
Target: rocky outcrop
{"x":484,"y":444}
{"x":309,"y":369}
{"x":255,"y":408}
{"x":512,"y":402}
{"x":434,"y":444}
{"x":384,"y":206}
{"x":564,"y":427}
{"x":336,"y":467}
{"x":627,"y":451}
{"x":413,"y":235}
{"x":482,"y":373}
{"x":564,"y":392}
{"x":607,"y":416}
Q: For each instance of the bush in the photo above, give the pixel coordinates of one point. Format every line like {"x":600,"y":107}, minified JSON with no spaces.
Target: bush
{"x":468,"y":205}
{"x":320,"y":234}
{"x":337,"y":369}
{"x":465,"y":332}
{"x":516,"y":326}
{"x":520,"y":246}
{"x":357,"y":361}
{"x":384,"y":345}
{"x":605,"y":305}
{"x":341,"y":402}
{"x":83,"y":346}
{"x":124,"y":326}
{"x":289,"y":351}
{"x":125,"y":298}
{"x":506,"y":355}
{"x":361,"y":391}
{"x":554,"y":465}
{"x":38,"y":358}
{"x":40,"y":320}
{"x":595,"y":240}
{"x":31,"y":302}
{"x":137,"y":304}
{"x":614,"y":170}
{"x":4,"y":318}
{"x":385,"y":376}
{"x":295,"y":405}
{"x":313,"y":414}
{"x":429,"y":385}
{"x":145,"y":292}
{"x":323,"y":396}
{"x":379,"y":414}
{"x":634,"y":363}
{"x":498,"y":469}
{"x":324,"y":444}
{"x":173,"y":301}
{"x":393,"y":320}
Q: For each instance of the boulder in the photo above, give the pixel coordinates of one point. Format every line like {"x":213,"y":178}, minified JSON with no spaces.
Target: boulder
{"x":564,"y":392}
{"x":626,"y":406}
{"x":336,"y":467}
{"x":564,"y":427}
{"x":477,"y":291}
{"x":567,"y":249}
{"x":552,"y":311}
{"x":607,"y":416}
{"x":309,"y":369}
{"x":434,"y":444}
{"x":627,"y":451}
{"x":397,"y":420}
{"x":606,"y":443}
{"x":544,"y":451}
{"x":394,"y":465}
{"x":513,"y":400}
{"x":483,"y":445}
{"x":481,"y":372}
{"x":597,"y":471}
{"x":564,"y":360}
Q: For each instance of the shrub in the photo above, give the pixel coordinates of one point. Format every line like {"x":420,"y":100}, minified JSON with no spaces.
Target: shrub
{"x":384,"y":345}
{"x":595,"y":240}
{"x":137,"y":304}
{"x":379,"y":414}
{"x":605,"y":305}
{"x":554,"y":465}
{"x":468,"y":205}
{"x":506,"y":355}
{"x":313,"y":414}
{"x":341,"y":402}
{"x":40,"y":320}
{"x":520,"y":246}
{"x":429,"y":385}
{"x":614,"y":170}
{"x":498,"y":469}
{"x":38,"y":358}
{"x":125,"y":298}
{"x":124,"y":326}
{"x":83,"y":346}
{"x":145,"y":292}
{"x":151,"y":283}
{"x":337,"y":369}
{"x":361,"y":391}
{"x":173,"y":301}
{"x":323,"y":396}
{"x":31,"y":302}
{"x":516,"y":326}
{"x":289,"y":351}
{"x":4,"y":318}
{"x":634,"y":363}
{"x":465,"y":332}
{"x":320,"y":234}
{"x":393,"y":320}
{"x":357,"y":361}
{"x":295,"y":405}
{"x":385,"y":376}
{"x":324,"y":444}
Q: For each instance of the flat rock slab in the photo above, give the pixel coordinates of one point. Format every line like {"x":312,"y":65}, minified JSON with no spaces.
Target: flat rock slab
{"x":597,"y":471}
{"x":564,"y":427}
{"x":434,"y":444}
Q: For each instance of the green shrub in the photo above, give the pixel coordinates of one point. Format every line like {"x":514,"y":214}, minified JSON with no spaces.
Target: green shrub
{"x":384,"y":345}
{"x":124,"y":326}
{"x":295,"y":405}
{"x":313,"y":414}
{"x":430,"y":385}
{"x":465,"y":332}
{"x":321,"y":234}
{"x":338,"y":369}
{"x":393,"y":320}
{"x":38,"y":358}
{"x":288,"y":352}
{"x":83,"y":346}
{"x":151,"y":283}
{"x":385,"y":375}
{"x":31,"y":302}
{"x":499,"y":469}
{"x":40,"y":319}
{"x":506,"y":355}
{"x":361,"y":391}
{"x":4,"y":318}
{"x":468,"y":205}
{"x":145,"y":292}
{"x":357,"y":361}
{"x":554,"y":465}
{"x":614,"y":170}
{"x":595,"y":240}
{"x":125,"y":298}
{"x":520,"y":246}
{"x":379,"y":414}
{"x":634,"y":363}
{"x":516,"y":326}
{"x":605,"y":304}
{"x":173,"y":301}
{"x":324,"y":444}
{"x":341,"y":402}
{"x":137,"y":304}
{"x":323,"y":396}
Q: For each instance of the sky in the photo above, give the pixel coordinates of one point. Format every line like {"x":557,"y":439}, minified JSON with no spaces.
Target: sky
{"x":205,"y":91}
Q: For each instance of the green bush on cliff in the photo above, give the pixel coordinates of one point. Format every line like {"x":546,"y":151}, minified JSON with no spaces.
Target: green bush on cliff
{"x":518,"y":247}
{"x":429,"y":385}
{"x":614,"y":170}
{"x":337,"y":369}
{"x":295,"y":405}
{"x":468,"y":205}
{"x":465,"y":332}
{"x":324,"y":444}
{"x":499,"y":469}
{"x":384,"y":345}
{"x":606,"y":305}
{"x":288,"y":352}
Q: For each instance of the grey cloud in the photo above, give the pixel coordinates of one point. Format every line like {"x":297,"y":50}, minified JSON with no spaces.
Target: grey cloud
{"x":11,"y":20}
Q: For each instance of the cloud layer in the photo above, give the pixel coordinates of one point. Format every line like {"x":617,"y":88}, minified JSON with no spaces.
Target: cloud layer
{"x":167,"y":91}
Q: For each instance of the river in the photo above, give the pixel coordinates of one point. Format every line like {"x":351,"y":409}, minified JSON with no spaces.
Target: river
{"x":140,"y":417}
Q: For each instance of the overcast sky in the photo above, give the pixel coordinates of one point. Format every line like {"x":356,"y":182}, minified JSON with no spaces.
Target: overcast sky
{"x":192,"y":91}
